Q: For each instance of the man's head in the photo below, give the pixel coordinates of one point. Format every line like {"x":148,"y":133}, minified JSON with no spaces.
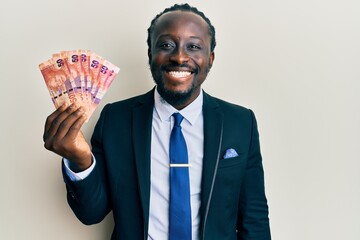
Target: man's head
{"x":181,"y":43}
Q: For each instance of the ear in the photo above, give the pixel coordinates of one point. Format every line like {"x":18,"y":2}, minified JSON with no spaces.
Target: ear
{"x":149,"y":55}
{"x":211,"y":59}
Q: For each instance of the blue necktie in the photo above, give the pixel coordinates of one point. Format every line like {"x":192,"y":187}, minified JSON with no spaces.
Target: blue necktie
{"x":180,"y":210}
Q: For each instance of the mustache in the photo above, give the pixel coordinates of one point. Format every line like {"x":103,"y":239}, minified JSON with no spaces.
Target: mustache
{"x":166,"y":67}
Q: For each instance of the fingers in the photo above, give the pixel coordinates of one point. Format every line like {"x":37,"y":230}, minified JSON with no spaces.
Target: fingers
{"x":67,"y":120}
{"x":76,"y":126}
{"x":59,"y":123}
{"x":56,"y":119}
{"x":51,"y":120}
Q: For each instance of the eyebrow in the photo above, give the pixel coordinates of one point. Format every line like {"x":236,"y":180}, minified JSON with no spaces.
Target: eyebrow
{"x":169,"y":35}
{"x":196,"y":37}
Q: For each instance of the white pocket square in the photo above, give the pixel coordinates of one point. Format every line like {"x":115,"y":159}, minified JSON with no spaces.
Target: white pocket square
{"x":230,"y":153}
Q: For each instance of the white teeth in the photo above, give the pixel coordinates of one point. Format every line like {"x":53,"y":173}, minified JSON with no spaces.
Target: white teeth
{"x":179,"y":74}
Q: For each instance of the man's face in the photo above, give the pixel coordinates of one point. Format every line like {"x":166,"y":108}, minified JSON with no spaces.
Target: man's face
{"x":180,"y":56}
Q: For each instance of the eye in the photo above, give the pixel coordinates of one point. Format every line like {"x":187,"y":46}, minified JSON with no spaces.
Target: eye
{"x":166,"y":45}
{"x":194,"y":47}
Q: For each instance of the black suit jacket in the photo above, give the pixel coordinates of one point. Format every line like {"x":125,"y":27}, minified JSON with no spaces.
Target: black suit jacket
{"x":233,"y":202}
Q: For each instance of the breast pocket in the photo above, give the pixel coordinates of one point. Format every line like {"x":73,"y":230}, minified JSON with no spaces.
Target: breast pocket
{"x":231,"y":162}
{"x":230,"y":171}
{"x":227,"y":186}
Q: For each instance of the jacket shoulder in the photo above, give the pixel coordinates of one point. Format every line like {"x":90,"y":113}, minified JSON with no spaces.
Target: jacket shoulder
{"x":225,"y":106}
{"x":129,"y":103}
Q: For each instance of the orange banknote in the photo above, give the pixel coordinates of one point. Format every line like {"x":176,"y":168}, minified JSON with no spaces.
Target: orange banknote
{"x":79,"y":76}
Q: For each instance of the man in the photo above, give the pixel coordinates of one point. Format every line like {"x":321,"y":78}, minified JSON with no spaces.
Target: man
{"x":130,"y":169}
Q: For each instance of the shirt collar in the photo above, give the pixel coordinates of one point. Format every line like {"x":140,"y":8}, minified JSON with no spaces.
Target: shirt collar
{"x":190,"y":112}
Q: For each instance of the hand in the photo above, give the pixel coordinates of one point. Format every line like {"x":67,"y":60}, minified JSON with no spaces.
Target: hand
{"x":62,"y":135}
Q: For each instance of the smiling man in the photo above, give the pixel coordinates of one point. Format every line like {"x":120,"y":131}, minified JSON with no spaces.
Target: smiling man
{"x":174,"y":163}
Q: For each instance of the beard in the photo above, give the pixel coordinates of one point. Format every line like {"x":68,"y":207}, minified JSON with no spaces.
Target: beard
{"x":172,"y":97}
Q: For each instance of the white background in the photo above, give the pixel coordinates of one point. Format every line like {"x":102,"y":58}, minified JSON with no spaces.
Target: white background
{"x":294,"y":62}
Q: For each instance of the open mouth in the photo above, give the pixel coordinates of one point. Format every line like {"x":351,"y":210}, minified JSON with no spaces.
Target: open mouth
{"x":179,"y":74}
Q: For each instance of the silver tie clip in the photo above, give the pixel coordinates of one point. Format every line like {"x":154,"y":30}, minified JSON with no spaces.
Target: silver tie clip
{"x":180,"y":165}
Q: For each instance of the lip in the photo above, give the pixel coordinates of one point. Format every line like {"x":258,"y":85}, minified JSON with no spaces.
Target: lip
{"x":181,"y":67}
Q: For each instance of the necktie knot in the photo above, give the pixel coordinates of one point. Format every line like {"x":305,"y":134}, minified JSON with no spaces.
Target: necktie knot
{"x":178,"y":119}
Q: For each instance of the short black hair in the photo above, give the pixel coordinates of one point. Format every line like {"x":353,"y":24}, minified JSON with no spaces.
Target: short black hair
{"x":186,"y":8}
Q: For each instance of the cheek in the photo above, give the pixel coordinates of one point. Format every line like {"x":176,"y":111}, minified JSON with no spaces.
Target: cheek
{"x":155,"y":62}
{"x":158,"y":57}
{"x":203,"y":65}
{"x":202,"y":60}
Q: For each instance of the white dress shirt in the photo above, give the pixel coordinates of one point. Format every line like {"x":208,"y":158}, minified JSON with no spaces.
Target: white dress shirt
{"x":193,"y":131}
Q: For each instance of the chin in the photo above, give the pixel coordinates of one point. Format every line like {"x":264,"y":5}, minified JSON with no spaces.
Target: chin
{"x":175,"y":98}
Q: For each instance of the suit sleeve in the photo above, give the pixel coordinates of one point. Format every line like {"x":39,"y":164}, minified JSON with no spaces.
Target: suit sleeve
{"x":253,"y":221}
{"x":89,"y":198}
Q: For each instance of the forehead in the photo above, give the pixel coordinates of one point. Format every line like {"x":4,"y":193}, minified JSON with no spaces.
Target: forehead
{"x":179,"y":23}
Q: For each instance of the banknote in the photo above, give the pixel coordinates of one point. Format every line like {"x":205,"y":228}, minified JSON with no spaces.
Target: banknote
{"x":96,"y":64}
{"x":85,"y":65}
{"x":74,"y":64}
{"x":55,"y":78}
{"x":79,"y":76}
{"x":74,"y":92}
{"x":107,"y":74}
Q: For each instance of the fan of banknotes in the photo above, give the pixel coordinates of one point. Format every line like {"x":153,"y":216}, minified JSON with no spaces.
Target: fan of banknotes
{"x":78,"y":76}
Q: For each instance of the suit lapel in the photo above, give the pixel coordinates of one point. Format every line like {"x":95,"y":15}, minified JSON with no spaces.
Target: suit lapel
{"x":142,"y":125}
{"x":213,"y":127}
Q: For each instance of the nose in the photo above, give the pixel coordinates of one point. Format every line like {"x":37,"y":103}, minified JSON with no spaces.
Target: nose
{"x":179,"y":56}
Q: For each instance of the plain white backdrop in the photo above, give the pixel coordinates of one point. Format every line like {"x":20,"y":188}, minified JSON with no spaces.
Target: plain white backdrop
{"x":295,"y":63}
